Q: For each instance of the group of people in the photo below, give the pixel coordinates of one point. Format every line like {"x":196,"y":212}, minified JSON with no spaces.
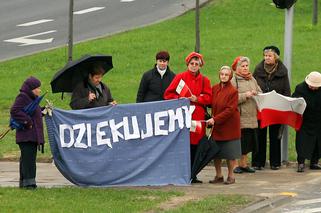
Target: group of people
{"x":233,"y":111}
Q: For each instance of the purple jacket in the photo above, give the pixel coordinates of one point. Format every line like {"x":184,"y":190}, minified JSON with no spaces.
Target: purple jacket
{"x":25,"y":97}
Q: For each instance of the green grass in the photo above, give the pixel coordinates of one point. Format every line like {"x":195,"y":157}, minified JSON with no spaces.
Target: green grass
{"x":217,"y":204}
{"x":81,"y":200}
{"x":228,"y":28}
{"x":72,"y":199}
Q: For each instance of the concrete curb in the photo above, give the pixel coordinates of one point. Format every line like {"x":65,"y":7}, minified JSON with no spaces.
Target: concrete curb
{"x":267,"y":205}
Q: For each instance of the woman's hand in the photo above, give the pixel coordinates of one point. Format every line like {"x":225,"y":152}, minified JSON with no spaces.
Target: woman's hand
{"x":113,"y":103}
{"x":193,"y":98}
{"x":210,"y":122}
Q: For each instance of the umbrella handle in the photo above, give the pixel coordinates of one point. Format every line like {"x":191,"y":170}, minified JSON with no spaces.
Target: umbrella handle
{"x":4,"y":133}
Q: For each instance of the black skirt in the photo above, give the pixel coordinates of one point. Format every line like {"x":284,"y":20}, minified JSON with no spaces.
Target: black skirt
{"x":249,"y":140}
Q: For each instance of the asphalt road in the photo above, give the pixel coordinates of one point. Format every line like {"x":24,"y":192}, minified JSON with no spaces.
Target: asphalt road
{"x":29,"y":26}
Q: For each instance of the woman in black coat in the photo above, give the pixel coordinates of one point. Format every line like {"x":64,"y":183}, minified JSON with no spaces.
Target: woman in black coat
{"x":308,"y":138}
{"x":270,"y":74}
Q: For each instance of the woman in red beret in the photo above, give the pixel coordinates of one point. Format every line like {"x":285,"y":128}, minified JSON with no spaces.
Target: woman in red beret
{"x":199,"y":94}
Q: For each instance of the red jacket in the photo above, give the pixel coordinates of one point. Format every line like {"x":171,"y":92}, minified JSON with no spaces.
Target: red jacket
{"x":225,"y":112}
{"x":200,"y":86}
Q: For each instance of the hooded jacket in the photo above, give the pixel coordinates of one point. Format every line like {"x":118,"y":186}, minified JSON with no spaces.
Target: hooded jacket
{"x":33,"y":131}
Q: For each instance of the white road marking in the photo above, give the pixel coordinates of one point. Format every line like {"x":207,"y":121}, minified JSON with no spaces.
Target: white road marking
{"x":26,"y":40}
{"x":304,"y":202}
{"x":313,"y":210}
{"x":126,"y":0}
{"x":35,"y":22}
{"x":92,"y":9}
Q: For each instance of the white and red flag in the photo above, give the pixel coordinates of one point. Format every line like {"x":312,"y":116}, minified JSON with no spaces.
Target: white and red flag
{"x":274,"y":108}
{"x":196,"y":126}
{"x":182,"y":89}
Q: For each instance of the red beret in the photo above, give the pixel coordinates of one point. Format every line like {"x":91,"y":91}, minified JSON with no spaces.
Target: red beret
{"x":193,"y":55}
{"x":234,"y":64}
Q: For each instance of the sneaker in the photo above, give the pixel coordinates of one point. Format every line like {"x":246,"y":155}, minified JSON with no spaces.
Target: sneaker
{"x":315,"y":166}
{"x":247,"y":169}
{"x":301,"y":167}
{"x":258,"y":167}
{"x":238,"y":170}
{"x":275,"y":167}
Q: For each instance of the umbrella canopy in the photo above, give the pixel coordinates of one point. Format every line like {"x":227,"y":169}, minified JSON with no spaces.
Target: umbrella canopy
{"x":76,"y":71}
{"x":205,"y":152}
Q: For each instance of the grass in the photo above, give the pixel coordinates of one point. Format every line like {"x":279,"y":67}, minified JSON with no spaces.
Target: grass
{"x":217,"y":204}
{"x":228,"y":29}
{"x":72,"y":199}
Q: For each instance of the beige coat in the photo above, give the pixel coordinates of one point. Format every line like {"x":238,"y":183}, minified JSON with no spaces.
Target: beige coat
{"x":247,"y":106}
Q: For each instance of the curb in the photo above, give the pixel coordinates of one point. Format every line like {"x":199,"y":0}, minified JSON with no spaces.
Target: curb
{"x":267,"y":204}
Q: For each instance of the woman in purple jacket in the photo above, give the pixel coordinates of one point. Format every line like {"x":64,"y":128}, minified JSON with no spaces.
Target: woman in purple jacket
{"x":31,"y":136}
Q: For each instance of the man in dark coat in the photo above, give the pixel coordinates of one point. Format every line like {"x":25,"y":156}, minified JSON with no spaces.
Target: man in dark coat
{"x":92,"y":92}
{"x":308,"y":138}
{"x":270,"y":74}
{"x":155,"y":81}
{"x":31,"y":135}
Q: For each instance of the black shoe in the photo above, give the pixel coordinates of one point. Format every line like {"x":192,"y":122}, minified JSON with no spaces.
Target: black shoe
{"x":195,"y":180}
{"x":248,"y":169}
{"x":258,"y":167}
{"x":238,"y":170}
{"x":315,"y":166}
{"x":301,"y":167}
{"x":275,"y":167}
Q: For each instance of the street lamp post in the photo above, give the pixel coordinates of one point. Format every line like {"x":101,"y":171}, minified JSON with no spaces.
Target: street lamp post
{"x":70,"y":31}
{"x":197,"y":27}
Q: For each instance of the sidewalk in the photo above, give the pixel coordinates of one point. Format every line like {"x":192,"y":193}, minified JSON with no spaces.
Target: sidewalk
{"x":272,"y":187}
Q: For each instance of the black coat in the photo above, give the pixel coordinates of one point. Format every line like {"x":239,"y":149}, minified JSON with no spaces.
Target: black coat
{"x":152,"y":86}
{"x":309,"y":136}
{"x":279,"y":80}
{"x":79,"y":98}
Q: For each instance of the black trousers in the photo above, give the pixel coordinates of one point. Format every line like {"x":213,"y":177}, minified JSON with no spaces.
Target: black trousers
{"x":27,"y":163}
{"x":259,"y":157}
{"x":193,"y":149}
{"x":314,"y":158}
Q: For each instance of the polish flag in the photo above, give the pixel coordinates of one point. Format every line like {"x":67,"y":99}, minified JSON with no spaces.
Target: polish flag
{"x":196,"y":126}
{"x":274,"y":108}
{"x":182,"y":89}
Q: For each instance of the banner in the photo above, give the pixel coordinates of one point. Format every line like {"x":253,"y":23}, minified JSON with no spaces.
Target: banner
{"x":125,"y":145}
{"x":274,"y":108}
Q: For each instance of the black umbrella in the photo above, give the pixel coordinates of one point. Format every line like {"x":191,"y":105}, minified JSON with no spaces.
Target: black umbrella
{"x":205,"y":152}
{"x":76,"y":71}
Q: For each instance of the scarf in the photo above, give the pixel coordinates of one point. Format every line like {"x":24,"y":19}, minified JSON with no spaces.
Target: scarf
{"x":270,"y":69}
{"x":247,"y":76}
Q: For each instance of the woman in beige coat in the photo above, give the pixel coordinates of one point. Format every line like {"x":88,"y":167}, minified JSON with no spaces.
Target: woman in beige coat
{"x":247,"y":87}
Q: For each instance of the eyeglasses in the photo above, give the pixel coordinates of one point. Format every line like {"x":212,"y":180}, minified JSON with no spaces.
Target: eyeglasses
{"x":194,"y":64}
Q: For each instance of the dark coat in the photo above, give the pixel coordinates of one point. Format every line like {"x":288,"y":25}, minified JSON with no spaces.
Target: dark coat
{"x":152,"y":86}
{"x":33,"y":131}
{"x":308,"y":137}
{"x":279,"y":80}
{"x":79,"y":98}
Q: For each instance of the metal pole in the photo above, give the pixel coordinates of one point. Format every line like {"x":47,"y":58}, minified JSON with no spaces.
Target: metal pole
{"x":197,"y":26}
{"x":70,"y":33}
{"x":315,"y":12}
{"x":288,"y":29}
